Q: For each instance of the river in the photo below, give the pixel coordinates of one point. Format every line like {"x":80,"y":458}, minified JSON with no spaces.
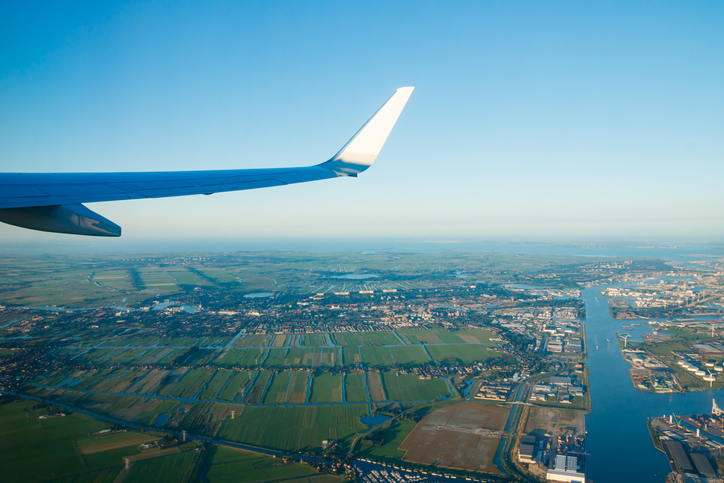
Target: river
{"x":618,"y":441}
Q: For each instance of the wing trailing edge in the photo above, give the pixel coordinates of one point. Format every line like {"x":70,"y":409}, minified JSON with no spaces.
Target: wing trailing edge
{"x":53,"y":201}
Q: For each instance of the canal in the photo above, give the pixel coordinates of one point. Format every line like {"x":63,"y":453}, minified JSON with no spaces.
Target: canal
{"x":618,"y":441}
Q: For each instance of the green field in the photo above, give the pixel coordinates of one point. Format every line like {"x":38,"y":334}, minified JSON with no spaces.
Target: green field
{"x":215,"y":384}
{"x":354,"y":387}
{"x":385,"y":356}
{"x":34,"y":450}
{"x":391,"y":437}
{"x":251,"y":357}
{"x":409,"y":387}
{"x":444,"y":336}
{"x":252,"y":340}
{"x":230,"y":465}
{"x":167,"y":468}
{"x":234,"y":386}
{"x":460,"y":353}
{"x":366,"y":338}
{"x":326,"y":388}
{"x":303,"y":357}
{"x":287,"y":387}
{"x":295,"y":428}
{"x":254,"y":395}
{"x":315,"y":340}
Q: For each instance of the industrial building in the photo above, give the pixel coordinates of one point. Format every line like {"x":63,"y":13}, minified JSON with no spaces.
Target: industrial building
{"x":566,"y":469}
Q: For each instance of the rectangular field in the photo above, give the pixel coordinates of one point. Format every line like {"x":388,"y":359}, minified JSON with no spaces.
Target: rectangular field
{"x":374,"y":383}
{"x":409,"y":387}
{"x":367,"y":338}
{"x":257,"y":389}
{"x":460,"y":353}
{"x":386,"y":356}
{"x":457,"y":436}
{"x":326,"y":388}
{"x":253,"y":340}
{"x":354,"y":387}
{"x":304,"y":357}
{"x":295,"y":428}
{"x":235,"y":385}
{"x":287,"y":387}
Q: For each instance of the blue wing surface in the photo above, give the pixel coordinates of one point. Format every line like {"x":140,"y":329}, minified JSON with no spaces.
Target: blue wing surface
{"x":53,"y":201}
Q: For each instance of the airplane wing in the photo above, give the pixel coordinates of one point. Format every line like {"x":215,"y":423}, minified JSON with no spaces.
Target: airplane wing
{"x":53,"y":201}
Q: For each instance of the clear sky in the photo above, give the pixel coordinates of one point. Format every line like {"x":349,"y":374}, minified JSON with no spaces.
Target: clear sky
{"x":582,"y":119}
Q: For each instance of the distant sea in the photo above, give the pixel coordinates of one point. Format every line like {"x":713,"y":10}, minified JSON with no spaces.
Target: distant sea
{"x":669,"y":250}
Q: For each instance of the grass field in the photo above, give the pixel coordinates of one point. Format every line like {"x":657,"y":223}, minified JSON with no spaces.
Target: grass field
{"x":444,"y":336}
{"x":156,"y":279}
{"x":460,"y":353}
{"x":385,"y":356}
{"x":167,"y":468}
{"x":254,"y":395}
{"x":303,"y":357}
{"x":234,"y":386}
{"x":315,"y":340}
{"x":230,"y":465}
{"x":366,"y":338}
{"x":219,"y":275}
{"x":374,"y":383}
{"x":326,"y":388}
{"x":287,"y":387}
{"x":149,"y":417}
{"x":103,"y":442}
{"x":171,"y":382}
{"x":253,"y":340}
{"x":295,"y":428}
{"x":391,"y":438}
{"x":34,"y":450}
{"x":215,"y":384}
{"x":251,"y":357}
{"x":354,"y":387}
{"x":409,"y":387}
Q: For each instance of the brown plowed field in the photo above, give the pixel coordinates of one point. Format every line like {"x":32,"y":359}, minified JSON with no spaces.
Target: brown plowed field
{"x":452,"y":447}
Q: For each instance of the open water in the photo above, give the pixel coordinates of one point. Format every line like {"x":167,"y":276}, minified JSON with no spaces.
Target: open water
{"x":618,"y":442}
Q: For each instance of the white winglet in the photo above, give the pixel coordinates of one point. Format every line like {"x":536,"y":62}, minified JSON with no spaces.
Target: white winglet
{"x":361,"y":151}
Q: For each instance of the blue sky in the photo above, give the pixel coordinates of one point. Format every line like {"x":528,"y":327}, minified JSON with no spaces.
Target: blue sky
{"x":529,"y":119}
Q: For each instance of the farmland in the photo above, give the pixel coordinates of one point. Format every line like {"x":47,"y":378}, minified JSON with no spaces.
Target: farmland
{"x":327,"y":388}
{"x":355,"y":387}
{"x":409,"y":387}
{"x":63,"y":449}
{"x":287,"y":387}
{"x":232,"y":465}
{"x":294,"y":428}
{"x":449,"y":437}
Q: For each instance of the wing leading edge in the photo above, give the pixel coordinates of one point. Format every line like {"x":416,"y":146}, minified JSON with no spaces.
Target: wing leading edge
{"x":53,"y":201}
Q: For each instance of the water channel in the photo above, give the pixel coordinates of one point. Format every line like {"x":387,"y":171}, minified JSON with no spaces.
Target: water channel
{"x":618,"y":441}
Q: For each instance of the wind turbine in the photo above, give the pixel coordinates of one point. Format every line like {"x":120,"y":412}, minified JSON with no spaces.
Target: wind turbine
{"x":711,"y":377}
{"x":625,"y":339}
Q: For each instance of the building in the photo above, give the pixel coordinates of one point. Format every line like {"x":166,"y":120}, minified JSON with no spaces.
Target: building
{"x":677,"y":456}
{"x":566,"y":470}
{"x":561,"y":380}
{"x":703,"y":465}
{"x":526,"y":453}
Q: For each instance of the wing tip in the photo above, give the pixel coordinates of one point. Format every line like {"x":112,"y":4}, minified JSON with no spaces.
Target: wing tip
{"x":361,"y":151}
